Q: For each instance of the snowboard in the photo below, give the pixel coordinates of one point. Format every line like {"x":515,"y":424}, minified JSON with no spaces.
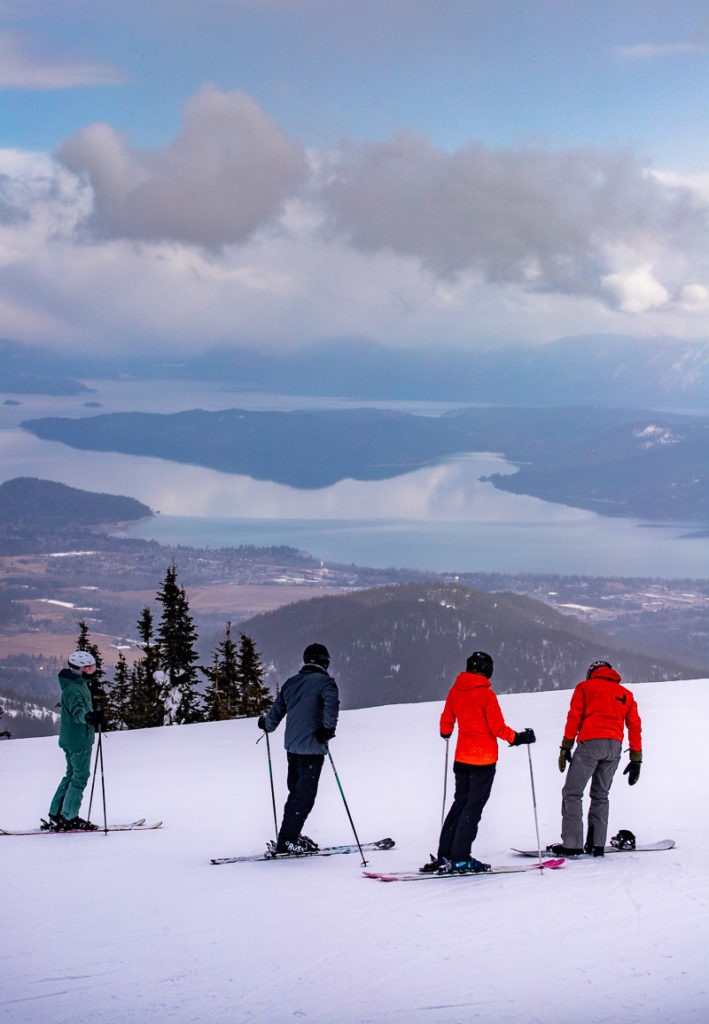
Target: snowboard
{"x":663,"y":844}
{"x":422,"y":876}
{"x":322,"y":851}
{"x":133,"y":826}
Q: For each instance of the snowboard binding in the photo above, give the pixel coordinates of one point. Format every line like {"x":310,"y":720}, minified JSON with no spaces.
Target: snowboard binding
{"x":625,"y":840}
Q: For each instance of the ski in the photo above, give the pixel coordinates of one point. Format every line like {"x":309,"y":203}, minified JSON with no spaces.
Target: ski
{"x":322,"y":851}
{"x":663,"y":844}
{"x":133,"y":826}
{"x":421,"y":876}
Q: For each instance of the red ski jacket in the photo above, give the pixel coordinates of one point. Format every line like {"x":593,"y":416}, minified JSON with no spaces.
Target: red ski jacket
{"x":601,"y":709}
{"x":473,"y":705}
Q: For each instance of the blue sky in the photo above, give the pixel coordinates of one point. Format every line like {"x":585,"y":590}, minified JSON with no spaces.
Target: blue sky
{"x":417,"y":171}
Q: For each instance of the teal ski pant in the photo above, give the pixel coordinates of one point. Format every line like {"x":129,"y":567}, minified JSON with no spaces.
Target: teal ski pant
{"x":596,"y":760}
{"x":70,"y":793}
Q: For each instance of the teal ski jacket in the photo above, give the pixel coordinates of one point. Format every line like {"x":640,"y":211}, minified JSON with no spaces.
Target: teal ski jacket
{"x":74,"y":732}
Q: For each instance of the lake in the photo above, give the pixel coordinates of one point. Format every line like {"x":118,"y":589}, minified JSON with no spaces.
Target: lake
{"x":439,"y":518}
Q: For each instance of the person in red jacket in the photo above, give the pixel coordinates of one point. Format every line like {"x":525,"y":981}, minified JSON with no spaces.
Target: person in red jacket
{"x":601,"y":709}
{"x":473,"y":705}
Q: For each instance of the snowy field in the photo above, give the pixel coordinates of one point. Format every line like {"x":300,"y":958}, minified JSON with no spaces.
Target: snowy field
{"x":139,"y":927}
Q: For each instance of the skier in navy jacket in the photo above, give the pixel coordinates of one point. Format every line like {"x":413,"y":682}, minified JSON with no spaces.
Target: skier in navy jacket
{"x":310,"y":703}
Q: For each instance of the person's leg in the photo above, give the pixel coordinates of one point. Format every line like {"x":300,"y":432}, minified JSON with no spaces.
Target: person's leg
{"x":80,"y":765}
{"x":462,"y":782}
{"x":481,"y":778}
{"x":600,"y":788}
{"x":303,"y":777}
{"x":55,"y":808}
{"x":582,"y":767}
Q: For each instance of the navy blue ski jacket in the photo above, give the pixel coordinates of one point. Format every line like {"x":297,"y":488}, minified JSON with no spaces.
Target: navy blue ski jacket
{"x":308,"y":700}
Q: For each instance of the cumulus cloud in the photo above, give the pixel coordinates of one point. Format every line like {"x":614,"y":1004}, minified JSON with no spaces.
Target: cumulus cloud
{"x":22,"y":69}
{"x":225,"y":175}
{"x":546,"y":220}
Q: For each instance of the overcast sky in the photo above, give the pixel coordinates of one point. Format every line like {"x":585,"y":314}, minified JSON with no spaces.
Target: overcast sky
{"x":184,"y":173}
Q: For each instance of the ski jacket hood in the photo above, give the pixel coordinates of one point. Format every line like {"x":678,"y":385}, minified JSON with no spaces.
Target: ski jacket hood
{"x":472,"y":703}
{"x":602,"y":709}
{"x":74,"y":731}
{"x":310,"y":699}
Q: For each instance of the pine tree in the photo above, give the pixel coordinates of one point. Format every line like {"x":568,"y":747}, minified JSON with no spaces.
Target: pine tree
{"x":5,"y":735}
{"x":119,"y":698}
{"x":177,"y":638}
{"x":146,"y":706}
{"x":222,"y":695}
{"x":254,"y":698}
{"x":99,"y":697}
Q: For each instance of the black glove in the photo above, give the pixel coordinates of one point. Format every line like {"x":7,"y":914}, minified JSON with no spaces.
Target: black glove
{"x":261,"y":723}
{"x":96,"y":718}
{"x":446,"y":735}
{"x":565,"y":754}
{"x":323,"y":735}
{"x":633,"y":772}
{"x":526,"y":736}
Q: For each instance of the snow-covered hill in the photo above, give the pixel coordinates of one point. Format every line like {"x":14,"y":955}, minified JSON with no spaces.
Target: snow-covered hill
{"x":139,"y":927}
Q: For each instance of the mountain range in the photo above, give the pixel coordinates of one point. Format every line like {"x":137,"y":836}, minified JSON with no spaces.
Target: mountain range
{"x":608,"y":370}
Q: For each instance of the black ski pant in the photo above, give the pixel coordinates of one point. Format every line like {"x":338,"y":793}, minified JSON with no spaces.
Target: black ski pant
{"x":303,"y":777}
{"x":473,"y":783}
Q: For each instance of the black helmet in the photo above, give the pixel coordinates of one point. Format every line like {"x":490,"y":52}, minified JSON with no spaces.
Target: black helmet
{"x":480,"y":663}
{"x":316,"y":654}
{"x":597,"y":664}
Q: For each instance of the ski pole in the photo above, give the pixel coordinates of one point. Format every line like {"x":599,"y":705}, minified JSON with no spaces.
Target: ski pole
{"x":534,"y":802}
{"x":93,"y":781}
{"x":339,"y":786}
{"x":445,"y":784}
{"x":270,"y":775}
{"x":103,"y":784}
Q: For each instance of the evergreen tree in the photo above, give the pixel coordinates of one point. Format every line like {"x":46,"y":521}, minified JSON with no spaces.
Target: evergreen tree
{"x":99,"y":697}
{"x":222,"y":695}
{"x":119,"y":698}
{"x":254,"y":698}
{"x":4,"y":735}
{"x":146,"y":706}
{"x":177,"y":638}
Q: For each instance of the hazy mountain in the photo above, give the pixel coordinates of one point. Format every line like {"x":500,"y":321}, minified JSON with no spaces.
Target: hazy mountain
{"x":30,"y":370}
{"x":611,"y":370}
{"x":407,"y":643}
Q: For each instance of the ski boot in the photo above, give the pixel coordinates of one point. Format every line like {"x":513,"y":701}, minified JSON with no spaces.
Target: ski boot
{"x":77,"y":824}
{"x":470,"y":867}
{"x":559,"y":850}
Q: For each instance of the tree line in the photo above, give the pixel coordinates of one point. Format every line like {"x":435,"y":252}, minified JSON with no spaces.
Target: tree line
{"x":162,"y":687}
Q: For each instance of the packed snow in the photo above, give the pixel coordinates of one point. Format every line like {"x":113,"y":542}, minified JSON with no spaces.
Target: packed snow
{"x":140,"y":927}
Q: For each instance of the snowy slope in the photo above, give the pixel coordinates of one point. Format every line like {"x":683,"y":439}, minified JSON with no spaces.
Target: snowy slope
{"x":139,"y":927}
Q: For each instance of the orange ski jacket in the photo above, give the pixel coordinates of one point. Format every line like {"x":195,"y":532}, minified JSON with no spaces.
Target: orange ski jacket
{"x":473,"y":705}
{"x":601,"y":709}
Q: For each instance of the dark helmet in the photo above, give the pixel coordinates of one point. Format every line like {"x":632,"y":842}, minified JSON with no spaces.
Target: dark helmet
{"x":316,"y":654}
{"x":480,"y":663}
{"x":597,"y":664}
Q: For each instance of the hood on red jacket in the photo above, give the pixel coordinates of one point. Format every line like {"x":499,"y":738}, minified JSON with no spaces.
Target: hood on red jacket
{"x":470,"y":680}
{"x":606,"y":673}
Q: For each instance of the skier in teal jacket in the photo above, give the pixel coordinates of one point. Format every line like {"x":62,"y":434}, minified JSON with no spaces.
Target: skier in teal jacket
{"x":76,"y":738}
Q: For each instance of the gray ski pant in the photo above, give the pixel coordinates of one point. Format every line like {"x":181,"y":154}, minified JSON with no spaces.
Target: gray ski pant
{"x":596,"y":760}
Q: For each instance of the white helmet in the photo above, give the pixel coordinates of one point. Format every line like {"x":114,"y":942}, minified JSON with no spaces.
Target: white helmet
{"x":81,"y":659}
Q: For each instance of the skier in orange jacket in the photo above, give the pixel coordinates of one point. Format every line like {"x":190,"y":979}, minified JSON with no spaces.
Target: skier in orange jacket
{"x":601,"y":709}
{"x":473,"y":705}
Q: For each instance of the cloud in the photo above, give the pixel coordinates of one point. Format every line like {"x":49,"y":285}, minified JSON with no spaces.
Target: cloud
{"x":637,"y":290}
{"x":21,"y":69}
{"x":542,"y":219}
{"x":225,"y":175}
{"x":652,"y":51}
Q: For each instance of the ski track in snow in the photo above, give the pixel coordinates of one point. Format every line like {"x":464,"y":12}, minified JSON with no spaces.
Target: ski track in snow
{"x":136,"y":927}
